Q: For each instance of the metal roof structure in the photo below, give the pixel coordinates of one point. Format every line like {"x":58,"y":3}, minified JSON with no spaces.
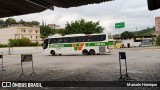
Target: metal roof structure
{"x":20,"y":7}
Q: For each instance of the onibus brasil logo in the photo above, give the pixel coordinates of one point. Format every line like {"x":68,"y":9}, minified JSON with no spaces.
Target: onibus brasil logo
{"x":16,"y":84}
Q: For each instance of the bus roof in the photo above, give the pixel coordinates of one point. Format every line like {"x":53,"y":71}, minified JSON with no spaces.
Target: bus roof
{"x":73,"y":35}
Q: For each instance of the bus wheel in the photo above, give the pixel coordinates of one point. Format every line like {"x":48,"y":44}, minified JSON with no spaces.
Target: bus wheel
{"x":92,"y":52}
{"x":85,"y":52}
{"x":53,"y":53}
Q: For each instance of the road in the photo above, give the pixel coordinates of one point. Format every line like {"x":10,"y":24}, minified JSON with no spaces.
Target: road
{"x":143,"y":65}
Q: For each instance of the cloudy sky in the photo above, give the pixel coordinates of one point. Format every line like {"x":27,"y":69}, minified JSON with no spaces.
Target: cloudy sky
{"x":133,"y":12}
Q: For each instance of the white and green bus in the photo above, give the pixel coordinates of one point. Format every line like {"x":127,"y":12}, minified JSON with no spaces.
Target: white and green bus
{"x":86,"y":44}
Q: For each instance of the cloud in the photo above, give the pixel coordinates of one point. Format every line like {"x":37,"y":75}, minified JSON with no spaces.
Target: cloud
{"x":133,"y":12}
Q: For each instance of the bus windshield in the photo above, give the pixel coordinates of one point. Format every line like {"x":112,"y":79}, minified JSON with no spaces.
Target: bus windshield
{"x":45,"y":43}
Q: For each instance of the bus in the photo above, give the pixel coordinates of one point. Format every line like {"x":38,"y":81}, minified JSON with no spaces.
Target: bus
{"x":85,"y":44}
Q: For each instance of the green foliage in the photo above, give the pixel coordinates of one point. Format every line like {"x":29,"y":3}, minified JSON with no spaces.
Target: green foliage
{"x":20,"y":42}
{"x":2,"y":22}
{"x":3,"y":45}
{"x":34,"y":44}
{"x":144,"y":32}
{"x":25,"y":42}
{"x":10,"y":21}
{"x":127,"y":34}
{"x":13,"y":42}
{"x":62,"y":32}
{"x":46,"y":31}
{"x":82,"y":26}
{"x":22,"y":22}
{"x":158,"y":40}
{"x":32,"y":23}
{"x":35,"y":23}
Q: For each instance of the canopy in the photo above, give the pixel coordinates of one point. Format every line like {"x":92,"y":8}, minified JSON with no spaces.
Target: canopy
{"x":20,"y":7}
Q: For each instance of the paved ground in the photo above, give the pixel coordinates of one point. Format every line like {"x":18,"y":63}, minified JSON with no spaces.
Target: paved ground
{"x":143,"y":65}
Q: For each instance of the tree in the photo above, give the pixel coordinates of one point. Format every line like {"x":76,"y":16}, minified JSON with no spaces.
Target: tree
{"x":158,"y":40}
{"x":45,"y":31}
{"x":59,"y":31}
{"x":22,"y":22}
{"x":2,"y":22}
{"x":82,"y":26}
{"x":10,"y":21}
{"x":35,"y":23}
{"x":144,"y":32}
{"x":127,"y":34}
{"x":20,"y":42}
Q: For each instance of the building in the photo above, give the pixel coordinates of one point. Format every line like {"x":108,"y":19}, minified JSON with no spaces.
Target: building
{"x":131,"y":42}
{"x":53,"y":26}
{"x":135,"y":41}
{"x":17,"y":32}
{"x":157,"y":26}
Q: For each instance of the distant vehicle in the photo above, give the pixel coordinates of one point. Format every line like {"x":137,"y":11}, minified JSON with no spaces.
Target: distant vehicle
{"x":146,"y":43}
{"x":86,"y":44}
{"x":118,"y":44}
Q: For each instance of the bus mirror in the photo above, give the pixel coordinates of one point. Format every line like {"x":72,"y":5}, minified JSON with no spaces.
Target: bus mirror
{"x":153,"y":4}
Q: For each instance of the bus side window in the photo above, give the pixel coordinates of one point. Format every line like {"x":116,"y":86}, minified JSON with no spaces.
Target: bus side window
{"x":65,"y":40}
{"x":60,"y":40}
{"x":102,"y":37}
{"x":96,"y":38}
{"x":73,"y":39}
{"x":77,"y":39}
{"x":68,"y":40}
{"x":89,"y":38}
{"x":51,"y":41}
{"x":55,"y":40}
{"x":81,"y":39}
{"x":92,"y":38}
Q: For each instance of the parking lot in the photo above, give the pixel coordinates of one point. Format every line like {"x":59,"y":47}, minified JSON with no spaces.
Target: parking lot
{"x":143,"y":65}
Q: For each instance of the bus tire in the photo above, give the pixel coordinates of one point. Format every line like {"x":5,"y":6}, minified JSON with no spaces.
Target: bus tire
{"x":92,"y":52}
{"x":53,"y":53}
{"x":85,"y":52}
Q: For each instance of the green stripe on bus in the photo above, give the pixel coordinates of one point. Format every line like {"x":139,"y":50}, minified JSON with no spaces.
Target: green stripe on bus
{"x":67,"y":45}
{"x":76,"y":48}
{"x":99,"y":44}
{"x":78,"y":44}
{"x":60,"y":45}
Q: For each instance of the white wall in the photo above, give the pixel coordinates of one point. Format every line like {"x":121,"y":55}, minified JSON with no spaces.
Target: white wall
{"x":22,"y":50}
{"x":132,"y":43}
